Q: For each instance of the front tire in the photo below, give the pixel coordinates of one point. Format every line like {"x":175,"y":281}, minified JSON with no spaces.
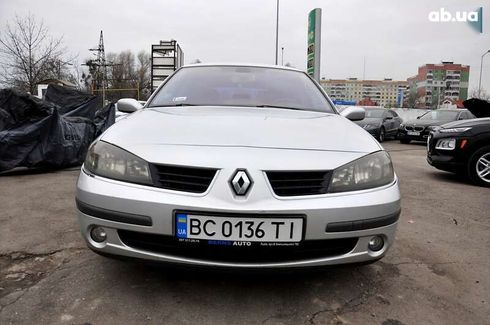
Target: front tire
{"x":479,"y":167}
{"x":382,"y":135}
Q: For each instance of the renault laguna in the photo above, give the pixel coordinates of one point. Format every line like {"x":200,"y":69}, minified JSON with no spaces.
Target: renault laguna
{"x":239,"y":166}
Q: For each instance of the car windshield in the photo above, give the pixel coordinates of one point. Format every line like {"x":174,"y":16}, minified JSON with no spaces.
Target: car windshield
{"x":374,"y":113}
{"x":241,"y":86}
{"x":440,"y":115}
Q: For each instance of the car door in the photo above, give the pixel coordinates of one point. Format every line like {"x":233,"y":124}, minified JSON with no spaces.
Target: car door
{"x":397,"y":121}
{"x":389,"y":123}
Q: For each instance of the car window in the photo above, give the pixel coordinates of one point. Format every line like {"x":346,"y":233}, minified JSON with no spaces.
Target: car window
{"x":394,"y":113}
{"x":375,"y":113}
{"x":241,"y":86}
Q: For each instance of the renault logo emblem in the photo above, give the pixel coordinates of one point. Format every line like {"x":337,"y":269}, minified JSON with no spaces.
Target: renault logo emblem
{"x":241,"y":182}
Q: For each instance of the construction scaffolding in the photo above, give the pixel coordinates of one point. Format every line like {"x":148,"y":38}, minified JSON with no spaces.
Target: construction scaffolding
{"x":166,"y":57}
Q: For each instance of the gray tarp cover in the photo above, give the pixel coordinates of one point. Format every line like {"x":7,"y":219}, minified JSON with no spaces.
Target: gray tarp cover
{"x":479,"y":107}
{"x":51,"y":133}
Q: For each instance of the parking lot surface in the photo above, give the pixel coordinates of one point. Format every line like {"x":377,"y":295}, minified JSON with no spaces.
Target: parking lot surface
{"x":436,"y":272}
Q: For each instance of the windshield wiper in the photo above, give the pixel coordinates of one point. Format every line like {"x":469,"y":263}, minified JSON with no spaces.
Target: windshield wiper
{"x":278,"y":106}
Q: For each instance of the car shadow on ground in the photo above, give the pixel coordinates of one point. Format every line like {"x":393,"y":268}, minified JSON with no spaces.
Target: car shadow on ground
{"x":314,"y":295}
{"x":451,"y":178}
{"x":22,"y":171}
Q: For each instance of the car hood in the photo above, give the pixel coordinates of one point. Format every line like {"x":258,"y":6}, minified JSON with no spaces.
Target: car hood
{"x":425,"y":122}
{"x":208,"y":134}
{"x":468,"y":123}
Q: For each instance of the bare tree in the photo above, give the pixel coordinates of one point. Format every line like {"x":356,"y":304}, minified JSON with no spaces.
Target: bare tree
{"x":143,"y":70}
{"x":414,"y":99}
{"x":28,"y":54}
{"x":79,"y":76}
{"x":128,"y":75}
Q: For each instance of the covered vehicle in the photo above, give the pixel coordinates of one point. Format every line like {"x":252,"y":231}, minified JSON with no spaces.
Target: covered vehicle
{"x":380,"y":123}
{"x":419,"y":129}
{"x":52,"y":133}
{"x":463,"y":147}
{"x":239,"y":166}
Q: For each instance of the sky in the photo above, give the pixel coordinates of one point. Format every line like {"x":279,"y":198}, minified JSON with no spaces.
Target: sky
{"x":392,"y":37}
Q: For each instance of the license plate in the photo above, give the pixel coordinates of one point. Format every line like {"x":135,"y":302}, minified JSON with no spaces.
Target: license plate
{"x":281,"y":229}
{"x":413,"y":133}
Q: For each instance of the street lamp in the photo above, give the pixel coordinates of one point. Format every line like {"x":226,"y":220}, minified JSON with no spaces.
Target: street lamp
{"x":282,"y":55}
{"x":277,"y":30}
{"x":481,"y":68}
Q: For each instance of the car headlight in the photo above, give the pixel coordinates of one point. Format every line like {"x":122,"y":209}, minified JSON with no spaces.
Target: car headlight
{"x":454,"y":130}
{"x":446,"y":144}
{"x":106,"y":160}
{"x":370,"y":171}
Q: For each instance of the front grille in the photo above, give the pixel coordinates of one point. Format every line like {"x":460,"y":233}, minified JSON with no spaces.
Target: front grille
{"x":185,"y":179}
{"x":255,"y":253}
{"x":296,"y":183}
{"x":414,"y":128}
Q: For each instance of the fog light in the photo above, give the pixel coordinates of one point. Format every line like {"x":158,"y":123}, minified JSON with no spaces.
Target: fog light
{"x":98,"y":234}
{"x":376,"y":243}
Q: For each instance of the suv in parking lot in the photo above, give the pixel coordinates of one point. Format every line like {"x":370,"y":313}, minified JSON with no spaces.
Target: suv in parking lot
{"x":462,"y":147}
{"x":419,"y":129}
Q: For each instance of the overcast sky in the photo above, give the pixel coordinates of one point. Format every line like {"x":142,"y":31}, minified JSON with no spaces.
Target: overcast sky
{"x":394,"y":37}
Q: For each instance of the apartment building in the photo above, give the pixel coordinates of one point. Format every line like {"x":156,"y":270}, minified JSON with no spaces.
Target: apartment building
{"x":435,"y":83}
{"x":387,"y":92}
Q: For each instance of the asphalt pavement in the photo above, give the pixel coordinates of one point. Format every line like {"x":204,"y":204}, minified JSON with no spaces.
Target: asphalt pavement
{"x":436,"y":272}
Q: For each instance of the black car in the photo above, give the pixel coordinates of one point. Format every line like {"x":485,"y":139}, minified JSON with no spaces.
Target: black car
{"x":462,"y":147}
{"x":419,"y":129}
{"x":380,"y":123}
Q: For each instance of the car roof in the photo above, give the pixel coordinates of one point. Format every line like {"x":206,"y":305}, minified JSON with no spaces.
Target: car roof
{"x":248,"y":65}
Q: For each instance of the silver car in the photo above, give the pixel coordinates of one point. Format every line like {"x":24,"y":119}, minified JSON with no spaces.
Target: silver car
{"x":240,"y":166}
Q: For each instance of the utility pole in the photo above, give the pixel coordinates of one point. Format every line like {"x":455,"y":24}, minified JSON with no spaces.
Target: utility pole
{"x":99,"y":67}
{"x":277,"y":29}
{"x":481,"y":70}
{"x":282,"y":55}
{"x":364,"y":69}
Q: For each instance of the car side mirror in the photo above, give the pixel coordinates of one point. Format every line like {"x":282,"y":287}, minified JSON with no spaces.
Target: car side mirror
{"x":389,"y":117}
{"x":128,"y":105}
{"x":354,"y":113}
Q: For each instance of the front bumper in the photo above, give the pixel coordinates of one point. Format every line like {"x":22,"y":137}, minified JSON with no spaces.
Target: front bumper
{"x":345,"y":212}
{"x":403,"y":135}
{"x":448,"y":160}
